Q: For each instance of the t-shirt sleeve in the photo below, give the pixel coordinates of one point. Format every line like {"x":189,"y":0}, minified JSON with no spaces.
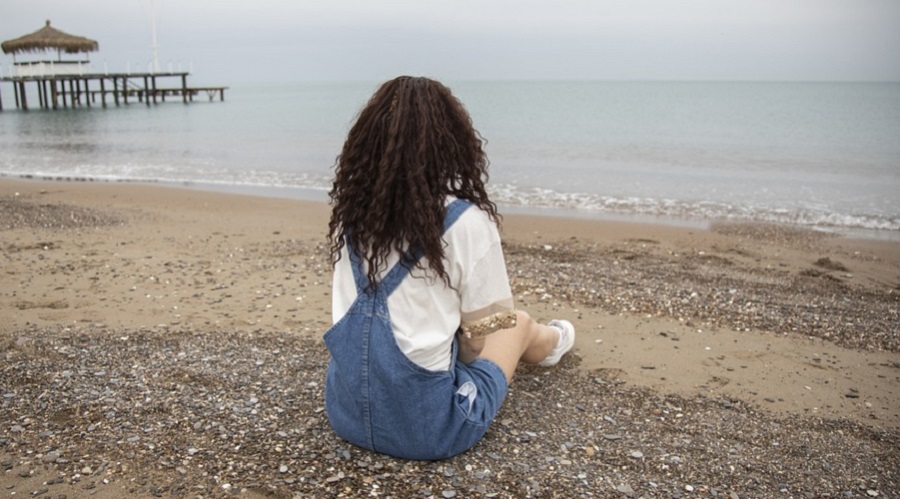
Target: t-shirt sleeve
{"x":486,"y":300}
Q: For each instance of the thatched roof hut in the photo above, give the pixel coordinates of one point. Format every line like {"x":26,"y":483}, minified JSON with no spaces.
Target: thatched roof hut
{"x":48,"y":38}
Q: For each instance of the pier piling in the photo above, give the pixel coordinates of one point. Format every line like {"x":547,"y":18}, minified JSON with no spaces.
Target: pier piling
{"x":72,"y":91}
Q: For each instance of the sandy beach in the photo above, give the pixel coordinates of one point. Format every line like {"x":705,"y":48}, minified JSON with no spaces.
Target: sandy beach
{"x":166,"y":342}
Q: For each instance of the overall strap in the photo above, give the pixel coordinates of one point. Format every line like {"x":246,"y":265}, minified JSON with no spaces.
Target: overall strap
{"x":399,"y":272}
{"x":362,"y":281}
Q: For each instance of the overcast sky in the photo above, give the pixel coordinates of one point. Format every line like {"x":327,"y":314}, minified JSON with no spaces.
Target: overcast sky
{"x":239,"y":41}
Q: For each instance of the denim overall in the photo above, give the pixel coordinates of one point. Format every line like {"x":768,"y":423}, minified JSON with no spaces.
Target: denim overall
{"x":377,"y":398}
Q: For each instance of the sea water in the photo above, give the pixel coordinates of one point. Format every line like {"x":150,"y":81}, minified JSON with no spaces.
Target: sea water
{"x":823,"y":155}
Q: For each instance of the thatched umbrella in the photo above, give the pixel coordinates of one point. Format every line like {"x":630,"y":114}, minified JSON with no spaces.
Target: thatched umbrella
{"x":48,"y":38}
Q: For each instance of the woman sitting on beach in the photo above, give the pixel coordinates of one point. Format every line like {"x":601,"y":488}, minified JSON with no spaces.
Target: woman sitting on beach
{"x":426,"y":338}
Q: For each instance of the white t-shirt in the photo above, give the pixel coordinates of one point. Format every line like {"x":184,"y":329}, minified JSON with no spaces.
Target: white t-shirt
{"x":425,"y":312}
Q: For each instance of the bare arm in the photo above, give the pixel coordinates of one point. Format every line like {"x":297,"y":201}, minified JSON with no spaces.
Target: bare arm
{"x":472,"y":334}
{"x":469,"y":348}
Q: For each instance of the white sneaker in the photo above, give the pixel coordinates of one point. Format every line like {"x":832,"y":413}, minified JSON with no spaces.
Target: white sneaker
{"x":565,"y":343}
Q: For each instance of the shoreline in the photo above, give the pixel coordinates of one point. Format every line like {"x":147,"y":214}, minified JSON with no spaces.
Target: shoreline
{"x":320,"y":194}
{"x":189,"y":303}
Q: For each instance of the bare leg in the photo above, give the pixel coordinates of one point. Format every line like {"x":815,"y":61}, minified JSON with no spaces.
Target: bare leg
{"x":528,"y":342}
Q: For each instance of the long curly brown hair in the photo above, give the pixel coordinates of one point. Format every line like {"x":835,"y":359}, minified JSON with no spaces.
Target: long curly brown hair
{"x":412,"y":145}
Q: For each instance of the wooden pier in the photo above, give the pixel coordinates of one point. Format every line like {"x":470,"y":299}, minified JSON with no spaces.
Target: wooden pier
{"x":68,"y":91}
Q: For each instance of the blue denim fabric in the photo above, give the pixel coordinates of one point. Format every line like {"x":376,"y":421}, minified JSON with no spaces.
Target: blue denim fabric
{"x":377,"y":398}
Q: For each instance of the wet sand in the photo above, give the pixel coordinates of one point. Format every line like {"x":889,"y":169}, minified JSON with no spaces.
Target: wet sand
{"x":160,"y":341}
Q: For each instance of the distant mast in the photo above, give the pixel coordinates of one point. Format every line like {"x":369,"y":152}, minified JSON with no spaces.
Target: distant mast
{"x":153,"y":32}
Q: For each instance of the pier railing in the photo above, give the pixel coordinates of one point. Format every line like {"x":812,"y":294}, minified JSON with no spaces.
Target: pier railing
{"x":38,"y":69}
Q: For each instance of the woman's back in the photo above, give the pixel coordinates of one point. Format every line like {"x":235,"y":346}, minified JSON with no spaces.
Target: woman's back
{"x":425,"y":311}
